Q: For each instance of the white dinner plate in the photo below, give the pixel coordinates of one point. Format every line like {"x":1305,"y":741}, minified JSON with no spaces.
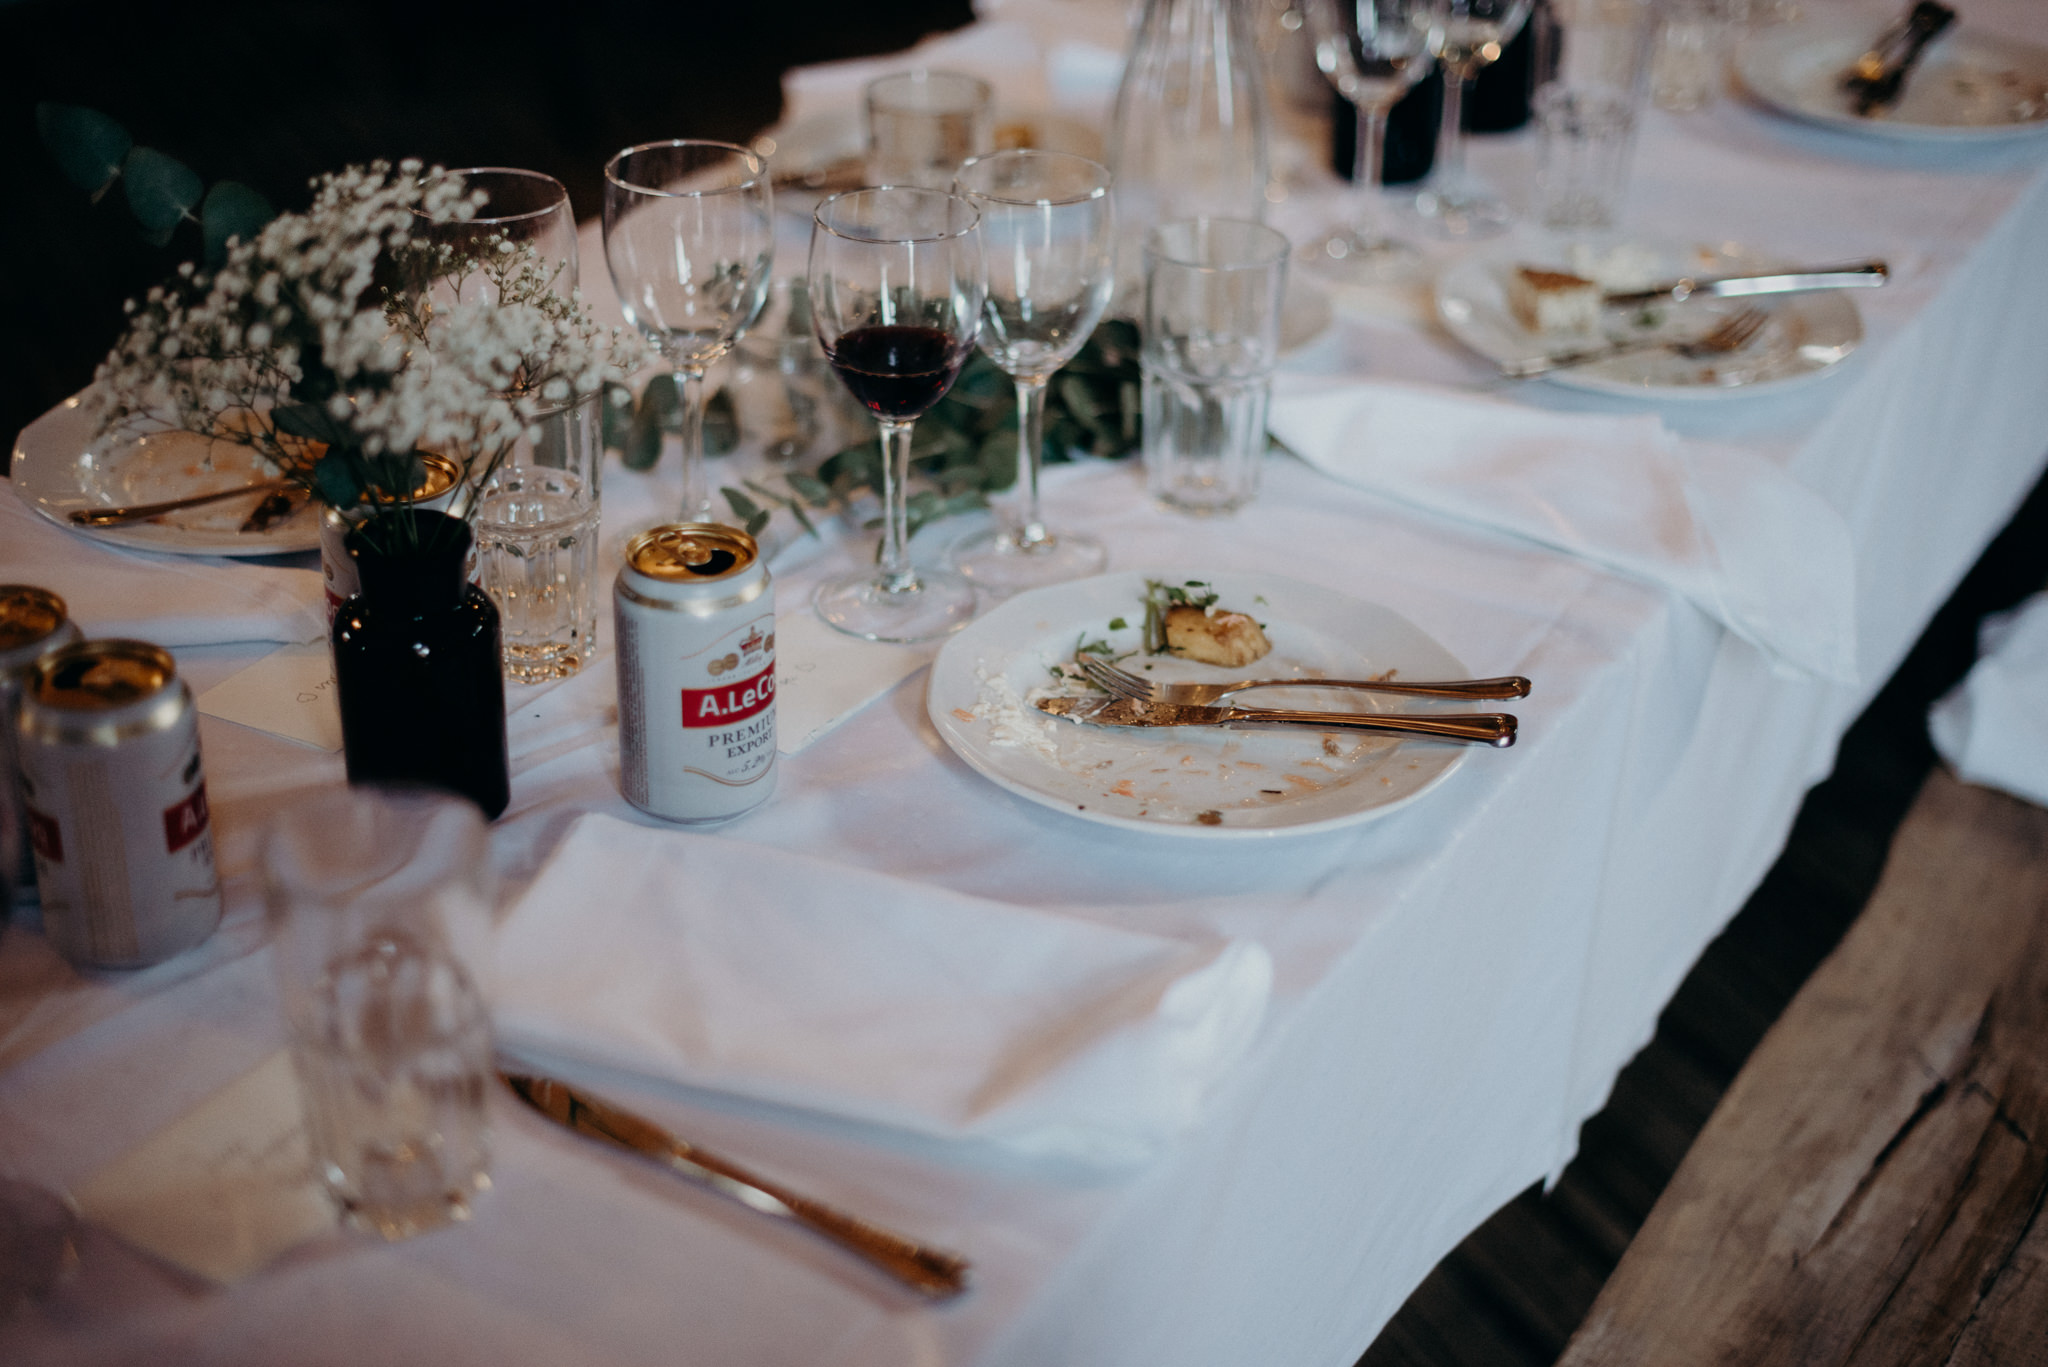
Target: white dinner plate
{"x":1806,"y":335}
{"x":1968,"y":87}
{"x":1196,"y":781}
{"x":58,"y":466}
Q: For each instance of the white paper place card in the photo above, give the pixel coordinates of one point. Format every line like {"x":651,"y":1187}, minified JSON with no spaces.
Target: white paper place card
{"x":289,"y":693}
{"x":823,"y":676}
{"x":224,"y":1189}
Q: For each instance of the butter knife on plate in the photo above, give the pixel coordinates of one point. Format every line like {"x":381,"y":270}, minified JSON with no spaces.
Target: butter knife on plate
{"x":930,"y":1272}
{"x":1862,"y":275}
{"x":1481,"y":728}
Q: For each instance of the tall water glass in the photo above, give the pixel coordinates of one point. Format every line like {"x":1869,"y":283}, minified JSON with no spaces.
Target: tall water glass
{"x":1213,"y":289}
{"x":1466,"y":36}
{"x":896,"y":285}
{"x":380,"y":906}
{"x":536,"y":547}
{"x":1597,"y":55}
{"x":689,"y":235}
{"x":1049,"y":236}
{"x":1372,"y":52}
{"x":923,"y":124}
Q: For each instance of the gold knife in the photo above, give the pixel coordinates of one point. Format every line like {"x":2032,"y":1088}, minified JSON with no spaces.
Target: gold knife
{"x":1483,"y":728}
{"x":931,"y":1272}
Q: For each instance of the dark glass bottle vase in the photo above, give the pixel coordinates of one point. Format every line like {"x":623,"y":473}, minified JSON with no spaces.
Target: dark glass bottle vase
{"x":417,"y":664}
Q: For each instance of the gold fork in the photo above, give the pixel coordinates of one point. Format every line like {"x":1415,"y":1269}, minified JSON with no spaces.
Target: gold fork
{"x":1125,"y":684}
{"x":1734,"y":332}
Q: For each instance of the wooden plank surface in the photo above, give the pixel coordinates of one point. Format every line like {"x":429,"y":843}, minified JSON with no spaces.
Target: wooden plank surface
{"x":1870,"y":1191}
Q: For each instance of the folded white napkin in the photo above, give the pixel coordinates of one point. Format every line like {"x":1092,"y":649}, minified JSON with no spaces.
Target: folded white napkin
{"x":1993,"y":727}
{"x":1753,"y":547}
{"x":794,"y":981}
{"x":171,"y":600}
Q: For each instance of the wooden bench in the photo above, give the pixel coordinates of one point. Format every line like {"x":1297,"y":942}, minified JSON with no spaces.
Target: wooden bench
{"x":1871,"y":1188}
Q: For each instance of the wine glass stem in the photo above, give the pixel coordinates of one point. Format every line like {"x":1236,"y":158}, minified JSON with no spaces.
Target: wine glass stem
{"x":1030,"y":530}
{"x":1367,"y":158}
{"x":1450,"y":141}
{"x":696,"y":489}
{"x":897,"y":574}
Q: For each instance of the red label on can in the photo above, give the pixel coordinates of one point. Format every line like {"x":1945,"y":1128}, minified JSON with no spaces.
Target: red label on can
{"x":44,"y":835}
{"x":186,"y":821}
{"x":729,"y":703}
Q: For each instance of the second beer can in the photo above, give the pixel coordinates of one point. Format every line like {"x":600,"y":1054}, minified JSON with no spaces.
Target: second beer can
{"x":116,"y":803}
{"x":694,"y":612}
{"x":33,"y":622}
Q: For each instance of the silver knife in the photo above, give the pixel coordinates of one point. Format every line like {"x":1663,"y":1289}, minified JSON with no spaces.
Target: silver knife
{"x":1864,"y":275}
{"x":1483,"y":728}
{"x":931,"y":1272}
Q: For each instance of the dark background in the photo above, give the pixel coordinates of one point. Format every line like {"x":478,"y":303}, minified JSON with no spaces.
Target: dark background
{"x":272,"y":94}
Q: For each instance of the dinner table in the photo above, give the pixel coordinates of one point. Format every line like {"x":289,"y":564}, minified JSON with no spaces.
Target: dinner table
{"x":1443,"y":992}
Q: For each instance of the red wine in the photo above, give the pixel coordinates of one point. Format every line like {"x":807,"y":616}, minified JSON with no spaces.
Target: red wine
{"x":898,"y":372}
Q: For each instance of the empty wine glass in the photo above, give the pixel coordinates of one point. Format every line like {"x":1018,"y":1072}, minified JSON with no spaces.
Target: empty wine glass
{"x":1465,"y":36}
{"x":689,"y":235}
{"x":896,"y":284}
{"x":1372,"y":52}
{"x":522,"y":208}
{"x":1049,"y":236}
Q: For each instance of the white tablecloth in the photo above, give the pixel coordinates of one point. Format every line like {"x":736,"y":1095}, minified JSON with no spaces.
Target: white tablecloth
{"x":1456,"y":986}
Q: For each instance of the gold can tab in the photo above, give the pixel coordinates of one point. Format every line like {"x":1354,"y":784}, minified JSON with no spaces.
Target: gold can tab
{"x":691,"y":552}
{"x":27,"y":615}
{"x":101,"y":676}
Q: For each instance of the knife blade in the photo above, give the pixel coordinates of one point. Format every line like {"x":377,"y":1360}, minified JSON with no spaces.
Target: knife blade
{"x":1483,"y":728}
{"x":1863,"y":275}
{"x":931,"y":1272}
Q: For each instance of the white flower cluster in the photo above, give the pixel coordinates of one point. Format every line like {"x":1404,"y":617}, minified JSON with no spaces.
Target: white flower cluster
{"x":326,"y":329}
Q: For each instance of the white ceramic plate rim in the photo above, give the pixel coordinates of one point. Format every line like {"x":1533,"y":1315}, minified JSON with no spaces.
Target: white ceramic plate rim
{"x":1766,"y":63}
{"x":44,"y":473}
{"x":1385,"y":637}
{"x":1476,"y":281}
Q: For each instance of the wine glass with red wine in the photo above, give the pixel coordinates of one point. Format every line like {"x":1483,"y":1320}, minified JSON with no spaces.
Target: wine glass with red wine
{"x":896,"y":287}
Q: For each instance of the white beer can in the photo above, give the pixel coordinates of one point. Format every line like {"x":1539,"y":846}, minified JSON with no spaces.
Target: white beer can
{"x":695,"y":615}
{"x":33,"y":622}
{"x":116,"y":804}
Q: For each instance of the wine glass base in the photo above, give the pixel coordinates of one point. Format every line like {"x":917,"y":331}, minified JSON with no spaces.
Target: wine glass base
{"x":861,"y":604}
{"x":1454,"y":215}
{"x":1350,"y":256}
{"x":1001,"y":562}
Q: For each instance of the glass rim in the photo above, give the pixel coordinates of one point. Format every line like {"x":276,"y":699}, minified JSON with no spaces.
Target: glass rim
{"x":974,"y":215}
{"x":487,"y":219}
{"x":1277,"y":245}
{"x":756,"y":166}
{"x":1104,"y":183}
{"x":984,"y":91}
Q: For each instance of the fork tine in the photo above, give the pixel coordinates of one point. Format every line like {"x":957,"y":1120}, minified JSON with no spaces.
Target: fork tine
{"x":1738,"y":330}
{"x":1113,"y":679}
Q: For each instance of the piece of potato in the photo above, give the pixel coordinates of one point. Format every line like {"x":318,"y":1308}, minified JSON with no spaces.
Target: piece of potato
{"x":1218,"y":638}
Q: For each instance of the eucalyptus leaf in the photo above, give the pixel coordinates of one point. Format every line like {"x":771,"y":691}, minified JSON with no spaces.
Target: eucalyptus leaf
{"x":337,"y":480}
{"x":617,"y":416}
{"x":742,"y":507}
{"x":721,"y":425}
{"x":306,"y":420}
{"x":231,"y":210}
{"x":162,"y":192}
{"x":88,"y":146}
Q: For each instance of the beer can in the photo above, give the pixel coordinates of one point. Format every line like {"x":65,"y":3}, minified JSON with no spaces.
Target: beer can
{"x":436,"y":490}
{"x":695,"y":614}
{"x":116,"y":804}
{"x":33,"y":622}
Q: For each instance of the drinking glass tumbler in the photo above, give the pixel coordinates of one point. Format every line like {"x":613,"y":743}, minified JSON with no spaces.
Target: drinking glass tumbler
{"x":379,"y":901}
{"x":1213,"y":288}
{"x":923,"y":124}
{"x":1598,"y":55}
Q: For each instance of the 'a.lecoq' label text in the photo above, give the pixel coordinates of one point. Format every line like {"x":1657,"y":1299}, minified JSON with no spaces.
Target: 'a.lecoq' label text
{"x":729,"y":703}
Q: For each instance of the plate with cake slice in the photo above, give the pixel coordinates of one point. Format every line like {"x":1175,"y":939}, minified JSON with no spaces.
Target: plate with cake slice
{"x":1533,"y":301}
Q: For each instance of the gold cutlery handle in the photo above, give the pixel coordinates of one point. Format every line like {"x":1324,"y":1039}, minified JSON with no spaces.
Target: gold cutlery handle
{"x":1481,"y":728}
{"x":1511,"y":686}
{"x":929,"y":1271}
{"x":110,"y":517}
